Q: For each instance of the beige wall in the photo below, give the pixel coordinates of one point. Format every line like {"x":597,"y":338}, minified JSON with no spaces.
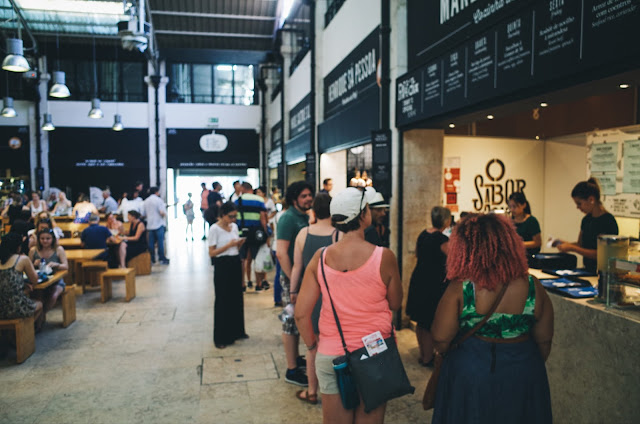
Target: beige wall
{"x":422,"y":188}
{"x":334,"y":166}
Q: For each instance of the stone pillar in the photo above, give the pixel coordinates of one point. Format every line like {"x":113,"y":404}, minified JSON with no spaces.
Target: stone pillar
{"x":422,"y":190}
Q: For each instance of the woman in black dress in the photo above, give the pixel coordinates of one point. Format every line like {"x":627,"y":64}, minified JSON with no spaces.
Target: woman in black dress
{"x":228,"y":309}
{"x":428,"y":280}
{"x":136,"y":240}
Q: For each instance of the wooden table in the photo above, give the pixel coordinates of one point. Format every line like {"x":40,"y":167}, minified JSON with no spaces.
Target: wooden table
{"x":67,"y":298}
{"x":75,"y":256}
{"x":70,"y":243}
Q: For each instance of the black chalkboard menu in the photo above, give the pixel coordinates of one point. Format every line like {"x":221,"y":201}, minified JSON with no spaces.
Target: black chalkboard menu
{"x":524,"y":47}
{"x":300,"y":117}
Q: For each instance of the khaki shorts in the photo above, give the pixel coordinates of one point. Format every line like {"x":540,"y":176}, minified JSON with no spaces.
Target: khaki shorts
{"x":326,"y":375}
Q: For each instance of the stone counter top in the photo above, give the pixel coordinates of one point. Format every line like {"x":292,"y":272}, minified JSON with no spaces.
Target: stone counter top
{"x":593,"y":369}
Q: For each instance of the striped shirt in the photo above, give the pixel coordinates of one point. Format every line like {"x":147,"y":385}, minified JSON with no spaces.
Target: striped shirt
{"x":250,"y":209}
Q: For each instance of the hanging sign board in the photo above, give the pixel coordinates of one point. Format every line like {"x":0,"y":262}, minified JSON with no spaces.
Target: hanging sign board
{"x":381,"y":159}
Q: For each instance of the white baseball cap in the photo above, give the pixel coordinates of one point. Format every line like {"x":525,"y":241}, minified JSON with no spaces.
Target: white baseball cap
{"x":350,"y":202}
{"x":378,"y":202}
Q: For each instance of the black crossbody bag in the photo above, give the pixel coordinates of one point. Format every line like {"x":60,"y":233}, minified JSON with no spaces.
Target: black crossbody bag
{"x":378,"y":378}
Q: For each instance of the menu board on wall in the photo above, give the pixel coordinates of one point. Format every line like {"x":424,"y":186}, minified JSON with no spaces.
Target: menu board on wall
{"x":527,"y":45}
{"x":620,"y":152}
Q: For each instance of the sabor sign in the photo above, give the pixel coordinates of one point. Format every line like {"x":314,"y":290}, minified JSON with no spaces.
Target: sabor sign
{"x":494,"y":192}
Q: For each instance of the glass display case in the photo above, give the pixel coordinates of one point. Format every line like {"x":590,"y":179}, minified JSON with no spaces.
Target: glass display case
{"x":623,"y":283}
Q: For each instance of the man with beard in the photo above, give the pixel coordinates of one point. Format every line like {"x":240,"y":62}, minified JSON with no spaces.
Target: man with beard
{"x":299,"y":198}
{"x":378,"y":233}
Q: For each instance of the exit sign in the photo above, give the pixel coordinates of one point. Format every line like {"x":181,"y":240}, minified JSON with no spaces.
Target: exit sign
{"x":213,"y":123}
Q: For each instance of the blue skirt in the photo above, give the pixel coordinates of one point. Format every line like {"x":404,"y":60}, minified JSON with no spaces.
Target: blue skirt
{"x":483,"y":382}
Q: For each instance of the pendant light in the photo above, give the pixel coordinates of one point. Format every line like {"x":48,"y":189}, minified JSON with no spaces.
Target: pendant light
{"x":7,"y":110}
{"x":48,"y":123}
{"x":15,"y":61}
{"x":59,"y":89}
{"x":117,"y":118}
{"x":95,"y":112}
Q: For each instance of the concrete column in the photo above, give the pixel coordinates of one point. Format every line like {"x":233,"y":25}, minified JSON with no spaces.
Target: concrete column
{"x":422,"y":187}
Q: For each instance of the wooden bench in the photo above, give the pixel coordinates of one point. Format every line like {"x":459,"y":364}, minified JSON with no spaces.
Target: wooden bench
{"x":141,"y":263}
{"x":126,"y":274}
{"x":68,"y":303}
{"x":91,"y":271}
{"x":25,"y":336}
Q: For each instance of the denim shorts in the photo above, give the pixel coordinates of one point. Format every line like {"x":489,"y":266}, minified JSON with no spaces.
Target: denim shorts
{"x":327,"y":382}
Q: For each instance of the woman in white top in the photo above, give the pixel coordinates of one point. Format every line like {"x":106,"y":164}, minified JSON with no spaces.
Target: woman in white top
{"x":228,"y":309}
{"x":36,"y":205}
{"x":63,"y":207}
{"x":83,"y":209}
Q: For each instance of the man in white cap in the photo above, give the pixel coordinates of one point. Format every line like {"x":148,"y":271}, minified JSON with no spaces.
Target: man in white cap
{"x":377,"y":233}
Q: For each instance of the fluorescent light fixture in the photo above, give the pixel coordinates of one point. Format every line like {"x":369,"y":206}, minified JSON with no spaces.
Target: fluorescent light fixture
{"x":623,"y":86}
{"x":8,"y":111}
{"x":224,"y":67}
{"x":48,"y":123}
{"x":95,"y":112}
{"x":59,"y":89}
{"x":286,"y":9}
{"x":117,"y":123}
{"x":490,"y":117}
{"x":452,"y":125}
{"x":544,"y":104}
{"x":15,"y":61}
{"x":75,"y":6}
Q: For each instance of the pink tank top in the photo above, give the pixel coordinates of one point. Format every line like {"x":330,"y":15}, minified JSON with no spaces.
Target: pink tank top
{"x":360,"y":298}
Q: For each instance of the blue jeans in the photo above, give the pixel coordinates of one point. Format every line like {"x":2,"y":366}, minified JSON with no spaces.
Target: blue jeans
{"x":157,"y":236}
{"x":277,"y":289}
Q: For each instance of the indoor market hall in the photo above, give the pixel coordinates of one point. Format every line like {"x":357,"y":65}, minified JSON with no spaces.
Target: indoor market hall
{"x":319,"y":211}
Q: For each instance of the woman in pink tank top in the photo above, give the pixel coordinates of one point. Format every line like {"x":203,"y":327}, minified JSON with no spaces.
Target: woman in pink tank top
{"x":364,"y":283}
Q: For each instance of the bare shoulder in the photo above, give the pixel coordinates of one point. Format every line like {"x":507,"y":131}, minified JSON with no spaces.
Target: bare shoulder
{"x":388,"y":255}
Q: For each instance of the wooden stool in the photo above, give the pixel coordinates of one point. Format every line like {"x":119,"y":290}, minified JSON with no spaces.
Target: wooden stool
{"x":126,"y":274}
{"x":92,"y":269}
{"x":68,"y":302}
{"x":25,"y":336}
{"x":141,"y":263}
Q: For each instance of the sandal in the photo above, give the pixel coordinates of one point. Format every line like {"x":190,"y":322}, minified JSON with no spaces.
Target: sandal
{"x":309,"y":398}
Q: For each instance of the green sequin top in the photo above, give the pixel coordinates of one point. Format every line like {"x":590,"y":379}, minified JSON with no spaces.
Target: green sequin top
{"x":499,"y":326}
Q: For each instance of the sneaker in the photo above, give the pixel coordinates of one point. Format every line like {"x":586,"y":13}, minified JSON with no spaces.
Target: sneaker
{"x":301,"y":362}
{"x":265,"y":285}
{"x":258,"y":288}
{"x":165,"y":262}
{"x":296,"y":376}
{"x":249,"y":284}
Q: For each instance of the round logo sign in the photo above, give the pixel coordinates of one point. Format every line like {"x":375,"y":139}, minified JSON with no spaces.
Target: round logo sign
{"x":213,"y":143}
{"x":15,"y":143}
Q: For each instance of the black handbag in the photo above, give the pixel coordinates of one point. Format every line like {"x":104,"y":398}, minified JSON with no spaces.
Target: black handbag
{"x":379,"y":378}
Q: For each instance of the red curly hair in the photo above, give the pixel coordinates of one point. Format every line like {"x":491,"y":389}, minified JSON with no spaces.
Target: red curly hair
{"x":485,"y":249}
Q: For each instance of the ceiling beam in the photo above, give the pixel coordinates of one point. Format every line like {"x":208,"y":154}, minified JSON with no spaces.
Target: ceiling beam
{"x":213,"y":15}
{"x":210,"y":34}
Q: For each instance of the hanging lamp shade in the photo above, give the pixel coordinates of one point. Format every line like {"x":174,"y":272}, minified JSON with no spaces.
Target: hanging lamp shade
{"x":8,"y":111}
{"x":48,"y":123}
{"x":95,"y":112}
{"x":117,"y":123}
{"x":15,"y":61}
{"x":59,"y":88}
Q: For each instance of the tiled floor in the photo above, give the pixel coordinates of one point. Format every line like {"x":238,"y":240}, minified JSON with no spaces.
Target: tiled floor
{"x":142,"y":362}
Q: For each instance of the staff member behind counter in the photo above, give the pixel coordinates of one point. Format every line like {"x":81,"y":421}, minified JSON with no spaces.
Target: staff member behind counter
{"x":597,"y":221}
{"x":527,"y":225}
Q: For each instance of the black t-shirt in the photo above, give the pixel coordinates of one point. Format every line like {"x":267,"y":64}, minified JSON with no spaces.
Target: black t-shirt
{"x":213,"y":197}
{"x":593,"y":227}
{"x":527,"y":229}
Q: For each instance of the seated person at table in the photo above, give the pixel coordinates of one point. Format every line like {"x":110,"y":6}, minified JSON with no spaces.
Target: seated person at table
{"x":96,"y":236}
{"x":36,"y":205}
{"x":14,"y":303}
{"x":114,"y":225}
{"x":14,"y":209}
{"x":83,"y":209}
{"x":109,"y":204}
{"x":47,"y":250}
{"x":136,"y":242}
{"x":43,"y":222}
{"x":63,"y":207}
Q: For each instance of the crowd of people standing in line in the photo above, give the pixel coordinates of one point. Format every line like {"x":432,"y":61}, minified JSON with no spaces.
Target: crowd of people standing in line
{"x":467,"y":271}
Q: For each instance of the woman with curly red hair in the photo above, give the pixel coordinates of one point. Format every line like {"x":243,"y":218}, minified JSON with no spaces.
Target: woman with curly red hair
{"x":498,"y":375}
